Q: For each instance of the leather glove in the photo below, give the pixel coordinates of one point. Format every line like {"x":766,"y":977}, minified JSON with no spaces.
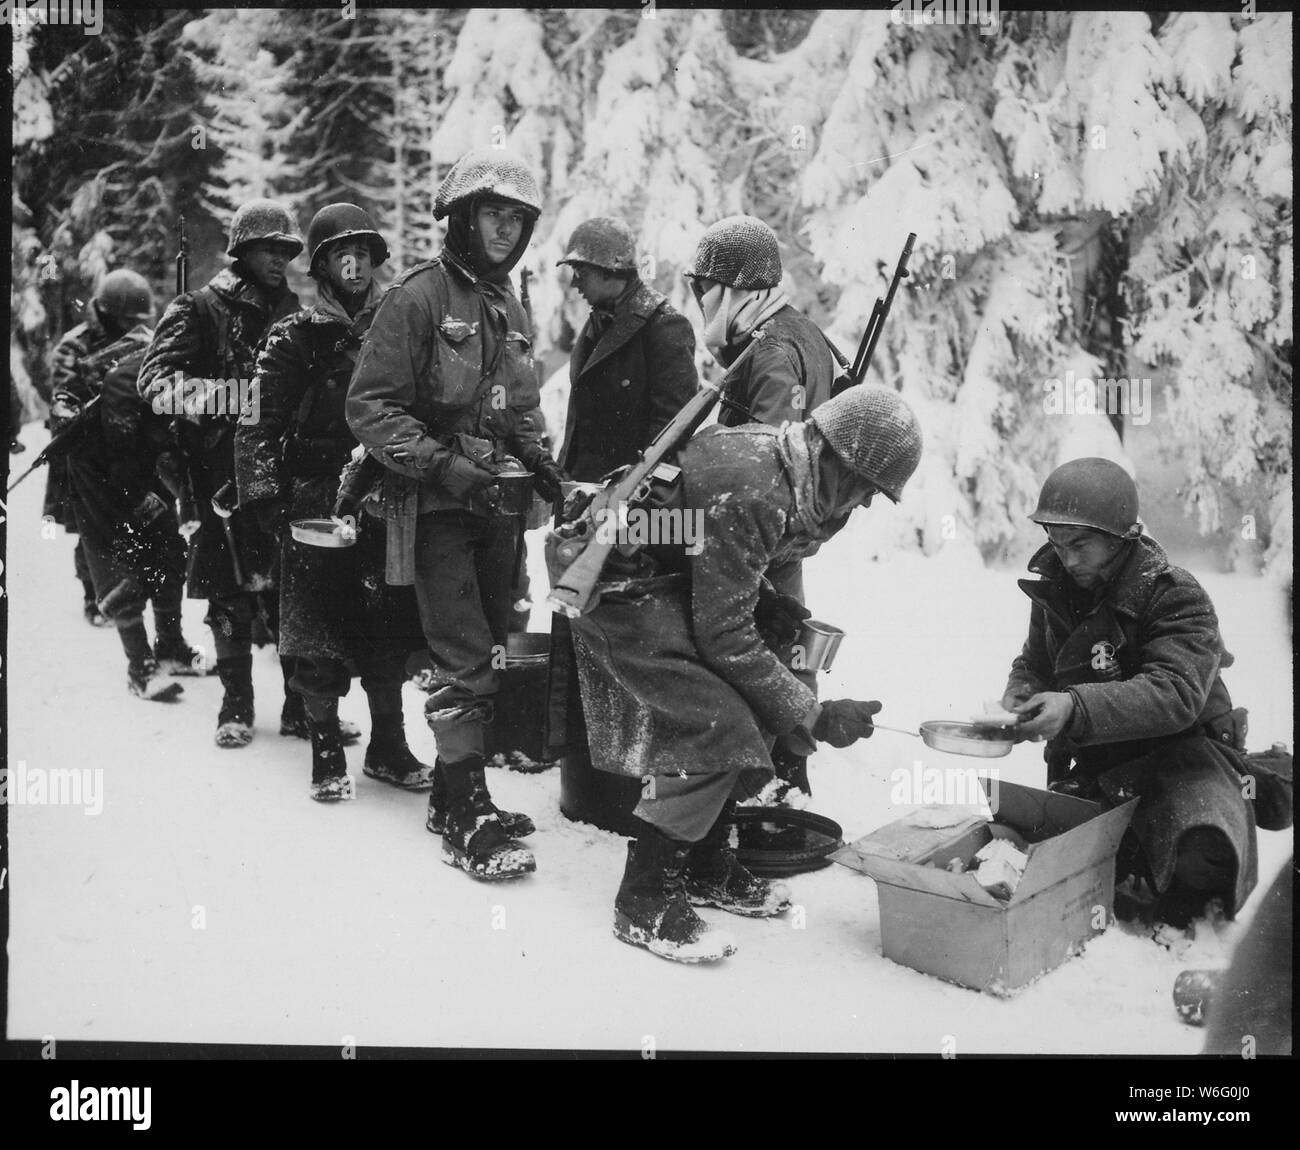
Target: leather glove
{"x":62,"y":412}
{"x":779,"y":616}
{"x":415,"y":456}
{"x":271,"y":515}
{"x":547,"y":477}
{"x":465,"y":480}
{"x":844,"y":721}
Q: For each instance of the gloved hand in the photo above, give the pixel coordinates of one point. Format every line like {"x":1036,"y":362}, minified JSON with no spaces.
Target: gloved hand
{"x":464,"y":479}
{"x":271,"y":515}
{"x":547,"y":477}
{"x":414,"y":457}
{"x":63,"y":411}
{"x":779,"y":616}
{"x":844,"y":721}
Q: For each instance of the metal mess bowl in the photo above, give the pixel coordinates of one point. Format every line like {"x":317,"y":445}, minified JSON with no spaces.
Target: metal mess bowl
{"x":321,"y":533}
{"x":967,"y":739}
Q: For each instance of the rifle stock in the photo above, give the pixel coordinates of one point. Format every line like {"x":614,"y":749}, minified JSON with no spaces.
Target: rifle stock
{"x":584,"y":546}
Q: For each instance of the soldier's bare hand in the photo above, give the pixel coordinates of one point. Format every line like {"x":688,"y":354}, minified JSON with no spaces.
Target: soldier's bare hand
{"x":1048,"y":714}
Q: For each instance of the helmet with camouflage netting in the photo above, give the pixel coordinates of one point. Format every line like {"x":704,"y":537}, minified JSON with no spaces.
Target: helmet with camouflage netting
{"x":263,"y":220}
{"x":488,"y":172}
{"x":740,"y":251}
{"x":874,"y":433}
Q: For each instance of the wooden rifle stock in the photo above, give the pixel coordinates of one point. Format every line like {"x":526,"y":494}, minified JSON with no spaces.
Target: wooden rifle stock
{"x":594,"y":533}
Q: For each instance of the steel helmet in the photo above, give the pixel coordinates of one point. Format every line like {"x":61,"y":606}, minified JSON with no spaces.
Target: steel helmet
{"x":263,"y":220}
{"x":1090,"y":492}
{"x":125,"y":295}
{"x":874,"y":433}
{"x":604,"y":242}
{"x":343,"y":221}
{"x":740,"y":251}
{"x":488,"y":172}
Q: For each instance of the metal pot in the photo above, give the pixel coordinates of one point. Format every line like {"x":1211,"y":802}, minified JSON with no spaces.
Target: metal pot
{"x":323,"y":532}
{"x":516,"y":487}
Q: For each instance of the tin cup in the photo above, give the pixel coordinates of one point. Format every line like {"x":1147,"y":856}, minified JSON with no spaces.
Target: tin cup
{"x":819,"y":642}
{"x":516,"y":487}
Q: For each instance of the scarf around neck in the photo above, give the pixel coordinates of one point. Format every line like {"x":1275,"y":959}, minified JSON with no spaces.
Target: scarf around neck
{"x":730,"y":314}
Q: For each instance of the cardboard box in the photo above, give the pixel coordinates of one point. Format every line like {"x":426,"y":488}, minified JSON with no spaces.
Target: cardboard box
{"x":947,"y":925}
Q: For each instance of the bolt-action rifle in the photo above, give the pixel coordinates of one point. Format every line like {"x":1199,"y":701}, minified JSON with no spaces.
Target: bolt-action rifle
{"x":173,"y":466}
{"x":875,"y":324}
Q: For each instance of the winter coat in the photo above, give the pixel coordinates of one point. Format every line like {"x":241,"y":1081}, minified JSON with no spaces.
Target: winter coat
{"x":445,"y":356}
{"x":69,"y":375}
{"x":626,"y":383}
{"x":214,"y":333}
{"x":675,"y":675}
{"x":334,"y":604}
{"x":120,"y":507}
{"x":788,"y":375}
{"x":1143,"y":668}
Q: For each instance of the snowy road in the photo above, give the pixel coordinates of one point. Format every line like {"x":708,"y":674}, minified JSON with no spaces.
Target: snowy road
{"x":211,"y":901}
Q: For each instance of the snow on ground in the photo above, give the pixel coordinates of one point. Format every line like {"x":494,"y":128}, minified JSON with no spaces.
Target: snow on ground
{"x":212,"y":901}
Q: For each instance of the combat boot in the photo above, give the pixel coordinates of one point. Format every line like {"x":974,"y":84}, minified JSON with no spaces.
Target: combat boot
{"x":474,"y":839}
{"x":143,"y":678}
{"x":389,"y":758}
{"x":330,"y":781}
{"x":514,"y":824}
{"x":716,"y":877}
{"x":175,"y":656}
{"x":651,"y":910}
{"x":235,"y":719}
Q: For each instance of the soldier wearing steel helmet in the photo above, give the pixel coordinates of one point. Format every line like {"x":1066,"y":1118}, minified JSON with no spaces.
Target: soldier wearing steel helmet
{"x":122,"y":300}
{"x":1120,"y":674}
{"x":445,"y":396}
{"x":633,"y":363}
{"x":114,"y":501}
{"x":687,"y":692}
{"x":337,"y":616}
{"x":736,"y":279}
{"x":202,"y":356}
{"x":632,"y":370}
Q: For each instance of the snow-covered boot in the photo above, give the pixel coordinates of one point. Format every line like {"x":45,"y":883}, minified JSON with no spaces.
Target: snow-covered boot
{"x":514,"y":824}
{"x":235,"y":719}
{"x":175,"y":656}
{"x":143,"y":678}
{"x":651,"y":910}
{"x":791,"y":768}
{"x":389,"y":759}
{"x":474,"y":839}
{"x":716,"y":877}
{"x":330,"y":781}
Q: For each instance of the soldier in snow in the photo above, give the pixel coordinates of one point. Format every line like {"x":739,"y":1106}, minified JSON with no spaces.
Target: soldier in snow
{"x":122,"y":301}
{"x":632,"y":370}
{"x":335,"y":606}
{"x":199,"y":368}
{"x":736,"y":278}
{"x":685,"y":691}
{"x":128,"y":531}
{"x":1120,"y":673}
{"x":445,"y":395}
